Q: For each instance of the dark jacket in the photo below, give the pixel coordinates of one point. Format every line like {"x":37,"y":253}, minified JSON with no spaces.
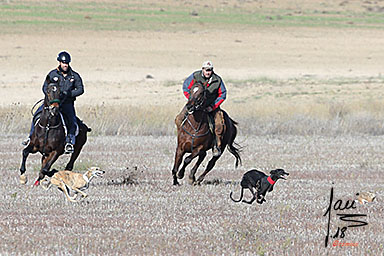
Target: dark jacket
{"x":72,"y":83}
{"x":217,"y":92}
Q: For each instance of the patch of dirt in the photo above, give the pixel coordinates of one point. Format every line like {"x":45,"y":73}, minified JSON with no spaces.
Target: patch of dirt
{"x":110,"y":62}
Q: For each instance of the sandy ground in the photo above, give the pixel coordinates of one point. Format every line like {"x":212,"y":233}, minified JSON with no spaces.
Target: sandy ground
{"x":108,"y":61}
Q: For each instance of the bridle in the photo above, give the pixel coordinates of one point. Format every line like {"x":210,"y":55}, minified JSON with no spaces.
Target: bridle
{"x":198,"y":105}
{"x":53,"y":104}
{"x":199,"y":102}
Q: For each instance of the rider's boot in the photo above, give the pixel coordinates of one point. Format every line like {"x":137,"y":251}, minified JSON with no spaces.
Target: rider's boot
{"x":69,"y":148}
{"x":218,"y":132}
{"x":216,"y":152}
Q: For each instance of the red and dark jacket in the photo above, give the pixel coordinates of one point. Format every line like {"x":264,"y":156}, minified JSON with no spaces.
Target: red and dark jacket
{"x":216,"y":91}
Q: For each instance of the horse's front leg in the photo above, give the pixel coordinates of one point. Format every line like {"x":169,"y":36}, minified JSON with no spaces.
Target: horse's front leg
{"x":46,"y":166}
{"x":178,"y":158}
{"x":188,"y":160}
{"x":192,"y":178}
{"x":26,"y":151}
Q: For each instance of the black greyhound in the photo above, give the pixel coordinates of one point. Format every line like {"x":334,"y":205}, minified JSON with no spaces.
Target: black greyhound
{"x":261,"y":182}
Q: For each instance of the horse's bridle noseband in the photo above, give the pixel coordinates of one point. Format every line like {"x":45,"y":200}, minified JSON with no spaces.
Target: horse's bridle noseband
{"x":199,"y":103}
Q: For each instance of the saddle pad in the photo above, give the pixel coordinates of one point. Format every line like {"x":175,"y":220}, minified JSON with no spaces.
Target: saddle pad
{"x":36,"y":120}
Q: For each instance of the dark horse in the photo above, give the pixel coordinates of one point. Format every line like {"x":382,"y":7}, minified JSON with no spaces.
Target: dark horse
{"x":48,"y":137}
{"x":194,"y":136}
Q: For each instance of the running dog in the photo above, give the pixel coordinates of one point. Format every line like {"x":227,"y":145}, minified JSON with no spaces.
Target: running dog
{"x":255,"y":179}
{"x":67,"y":181}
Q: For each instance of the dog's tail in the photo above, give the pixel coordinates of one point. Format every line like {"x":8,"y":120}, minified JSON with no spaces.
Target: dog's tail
{"x":241,"y":196}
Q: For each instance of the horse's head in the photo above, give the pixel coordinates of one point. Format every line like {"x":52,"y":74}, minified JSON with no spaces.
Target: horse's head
{"x":197,"y":98}
{"x":52,"y":97}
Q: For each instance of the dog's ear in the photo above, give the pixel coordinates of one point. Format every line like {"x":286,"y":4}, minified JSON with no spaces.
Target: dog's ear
{"x":94,"y":168}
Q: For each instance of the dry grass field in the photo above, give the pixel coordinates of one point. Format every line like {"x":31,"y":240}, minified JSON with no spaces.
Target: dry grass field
{"x":305,"y":82}
{"x":151,"y":216}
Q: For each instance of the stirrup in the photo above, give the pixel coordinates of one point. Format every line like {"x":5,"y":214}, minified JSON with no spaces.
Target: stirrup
{"x":25,"y":142}
{"x":68,"y":149}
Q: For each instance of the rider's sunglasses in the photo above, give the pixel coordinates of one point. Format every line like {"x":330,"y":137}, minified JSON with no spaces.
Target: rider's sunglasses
{"x":208,"y":69}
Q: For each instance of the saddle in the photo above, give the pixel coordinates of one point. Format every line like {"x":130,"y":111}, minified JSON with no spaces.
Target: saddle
{"x":64,"y":120}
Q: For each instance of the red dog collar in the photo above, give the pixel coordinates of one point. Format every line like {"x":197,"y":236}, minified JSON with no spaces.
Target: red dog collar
{"x":270,"y":180}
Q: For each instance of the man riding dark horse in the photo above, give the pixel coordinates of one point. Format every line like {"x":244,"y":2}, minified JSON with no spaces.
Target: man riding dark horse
{"x":50,"y":134}
{"x":215,"y":96}
{"x":71,"y":86}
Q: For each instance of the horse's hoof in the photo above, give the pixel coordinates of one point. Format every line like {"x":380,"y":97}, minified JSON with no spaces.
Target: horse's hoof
{"x":199,"y":181}
{"x":192,"y":181}
{"x":23,"y":179}
{"x":180,"y":175}
{"x":196,"y":183}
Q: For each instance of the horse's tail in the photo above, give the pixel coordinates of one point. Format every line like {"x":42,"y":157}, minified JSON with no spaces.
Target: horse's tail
{"x":232,"y":146}
{"x":81,"y":123}
{"x":241,"y":196}
{"x":88,"y":129}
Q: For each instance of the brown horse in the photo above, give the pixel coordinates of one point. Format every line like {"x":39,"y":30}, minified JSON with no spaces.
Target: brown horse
{"x":194,"y":136}
{"x":48,"y":138}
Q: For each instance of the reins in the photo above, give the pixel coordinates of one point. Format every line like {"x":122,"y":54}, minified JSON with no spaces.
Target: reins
{"x":48,"y":127}
{"x":35,"y":106}
{"x":196,"y":130}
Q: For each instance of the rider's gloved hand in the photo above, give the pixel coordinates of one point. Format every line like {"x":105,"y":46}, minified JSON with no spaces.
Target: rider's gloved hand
{"x":65,"y":94}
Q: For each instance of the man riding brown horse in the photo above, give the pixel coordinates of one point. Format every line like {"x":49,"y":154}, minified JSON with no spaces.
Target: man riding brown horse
{"x":215,"y":96}
{"x":194,"y":136}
